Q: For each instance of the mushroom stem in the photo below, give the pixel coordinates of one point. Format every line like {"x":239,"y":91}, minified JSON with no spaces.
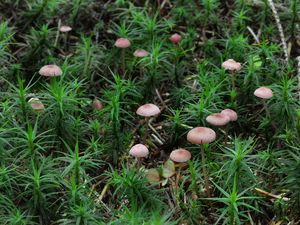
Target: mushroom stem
{"x":205,"y":174}
{"x":146,"y":129}
{"x":226,"y":134}
{"x":268,"y":113}
{"x":138,"y":163}
{"x":123,"y":61}
{"x":66,"y":41}
{"x":178,"y":177}
{"x":233,"y":80}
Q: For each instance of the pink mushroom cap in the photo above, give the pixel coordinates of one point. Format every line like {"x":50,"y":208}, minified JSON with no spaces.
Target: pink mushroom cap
{"x":201,"y":135}
{"x":97,"y":104}
{"x":122,"y":43}
{"x":175,"y":38}
{"x":139,"y":151}
{"x":50,"y":71}
{"x":263,"y":92}
{"x":36,"y":104}
{"x":231,"y":114}
{"x":140,"y":53}
{"x":180,"y":155}
{"x":148,"y":110}
{"x":218,"y":119}
{"x":65,"y":29}
{"x":231,"y":65}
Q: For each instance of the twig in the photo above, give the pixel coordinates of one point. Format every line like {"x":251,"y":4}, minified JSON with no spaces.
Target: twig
{"x":279,"y":26}
{"x":271,"y":195}
{"x":157,"y":139}
{"x":253,"y":34}
{"x":160,"y":99}
{"x":103,"y":192}
{"x":154,"y":130}
{"x":57,"y":32}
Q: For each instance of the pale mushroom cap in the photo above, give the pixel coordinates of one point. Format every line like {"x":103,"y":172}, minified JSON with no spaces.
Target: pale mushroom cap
{"x":201,"y":135}
{"x":36,"y":104}
{"x":50,"y":71}
{"x":65,"y":29}
{"x":140,"y":53}
{"x":180,"y":155}
{"x":97,"y":104}
{"x":263,"y":92}
{"x":139,"y":151}
{"x":175,"y":38}
{"x":218,"y":119}
{"x":148,"y":110}
{"x":232,"y":65}
{"x":122,"y":43}
{"x":231,"y":114}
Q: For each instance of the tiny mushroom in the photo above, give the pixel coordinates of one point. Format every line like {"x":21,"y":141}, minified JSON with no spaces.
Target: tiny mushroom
{"x":140,"y":53}
{"x":175,"y":38}
{"x":139,"y":151}
{"x":231,"y":65}
{"x":148,"y":110}
{"x":231,"y":114}
{"x":97,"y":104}
{"x":122,"y":43}
{"x":36,"y":104}
{"x":263,"y":92}
{"x":50,"y":71}
{"x":65,"y":29}
{"x":180,"y":155}
{"x":201,"y":135}
{"x":218,"y":119}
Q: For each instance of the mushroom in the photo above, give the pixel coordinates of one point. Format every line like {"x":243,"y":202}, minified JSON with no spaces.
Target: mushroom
{"x":139,"y":151}
{"x":180,"y":156}
{"x":97,"y":104}
{"x":265,"y":93}
{"x":140,"y":53}
{"x":233,"y":67}
{"x":50,"y":71}
{"x":231,"y":114}
{"x":123,"y":43}
{"x":36,"y":104}
{"x":65,"y":29}
{"x":232,"y":117}
{"x":202,"y":136}
{"x":147,"y":110}
{"x":175,"y":38}
{"x":218,"y":119}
